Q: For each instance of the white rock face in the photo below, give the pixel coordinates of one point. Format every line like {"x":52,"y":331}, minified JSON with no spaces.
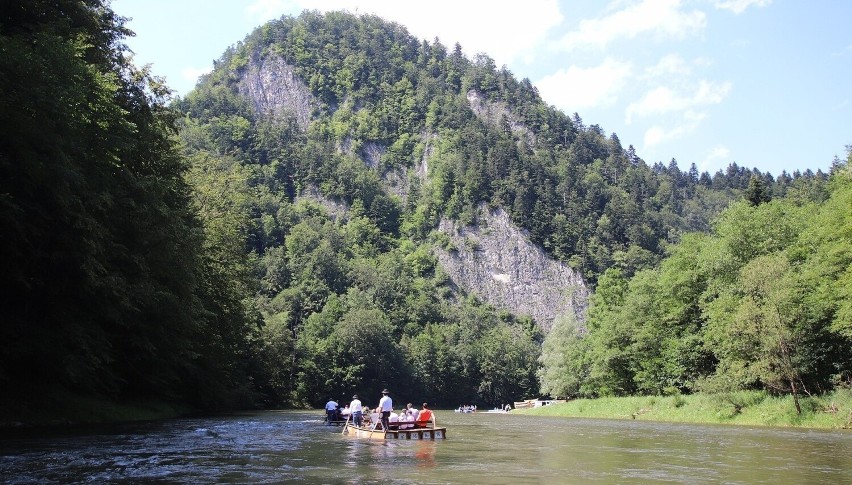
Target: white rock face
{"x":492,"y":112}
{"x":496,"y":261}
{"x":274,"y":88}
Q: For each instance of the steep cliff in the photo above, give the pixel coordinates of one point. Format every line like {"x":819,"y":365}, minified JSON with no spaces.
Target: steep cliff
{"x":275,"y":90}
{"x":494,"y":113}
{"x":495,"y":260}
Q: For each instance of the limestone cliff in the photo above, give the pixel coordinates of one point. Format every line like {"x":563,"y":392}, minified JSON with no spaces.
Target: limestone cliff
{"x":495,"y":260}
{"x":275,"y":90}
{"x":494,"y":112}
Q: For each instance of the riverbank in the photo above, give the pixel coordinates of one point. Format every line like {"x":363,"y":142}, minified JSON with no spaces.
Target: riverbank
{"x":65,"y":408}
{"x":751,"y":408}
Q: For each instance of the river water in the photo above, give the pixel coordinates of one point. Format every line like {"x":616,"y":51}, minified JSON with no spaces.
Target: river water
{"x":296,"y":446}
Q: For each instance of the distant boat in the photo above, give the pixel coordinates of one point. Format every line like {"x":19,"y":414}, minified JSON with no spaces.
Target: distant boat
{"x":336,"y":422}
{"x":536,"y":403}
{"x":373,"y":430}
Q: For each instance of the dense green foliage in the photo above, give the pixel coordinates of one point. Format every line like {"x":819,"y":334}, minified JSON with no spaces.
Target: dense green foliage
{"x":582,"y":196}
{"x":355,"y":302}
{"x":180,"y":251}
{"x":762,"y":302}
{"x":106,"y":287}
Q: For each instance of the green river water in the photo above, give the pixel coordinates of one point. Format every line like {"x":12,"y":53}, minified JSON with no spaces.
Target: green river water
{"x":297,"y":447}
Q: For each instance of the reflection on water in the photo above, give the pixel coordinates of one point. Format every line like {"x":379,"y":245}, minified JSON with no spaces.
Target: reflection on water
{"x":278,"y":447}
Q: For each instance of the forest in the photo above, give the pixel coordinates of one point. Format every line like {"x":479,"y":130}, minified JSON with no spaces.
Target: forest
{"x":164,"y":248}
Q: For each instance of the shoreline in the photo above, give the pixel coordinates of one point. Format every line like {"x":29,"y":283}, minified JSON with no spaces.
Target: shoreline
{"x":832,"y":411}
{"x":68,"y":409}
{"x":744,"y":408}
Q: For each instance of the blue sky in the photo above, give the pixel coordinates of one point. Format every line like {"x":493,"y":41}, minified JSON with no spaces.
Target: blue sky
{"x":762,"y":83}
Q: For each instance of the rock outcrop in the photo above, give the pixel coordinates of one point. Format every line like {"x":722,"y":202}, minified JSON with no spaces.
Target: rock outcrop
{"x":492,"y":113}
{"x":495,"y":260}
{"x":275,"y":90}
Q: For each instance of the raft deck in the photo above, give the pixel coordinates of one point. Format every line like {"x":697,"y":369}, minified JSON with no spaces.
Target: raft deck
{"x":374,"y":431}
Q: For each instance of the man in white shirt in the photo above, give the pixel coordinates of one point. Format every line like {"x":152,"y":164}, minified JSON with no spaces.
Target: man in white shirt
{"x":357,"y":410}
{"x":385,"y":406}
{"x":330,"y":410}
{"x":413,"y":411}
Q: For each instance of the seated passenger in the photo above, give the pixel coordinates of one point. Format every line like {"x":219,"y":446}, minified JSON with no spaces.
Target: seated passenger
{"x":406,"y":420}
{"x":393,"y":420}
{"x":425,"y":416}
{"x":410,"y":409}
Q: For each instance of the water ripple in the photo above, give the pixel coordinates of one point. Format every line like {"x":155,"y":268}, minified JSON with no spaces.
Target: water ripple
{"x":278,"y":447}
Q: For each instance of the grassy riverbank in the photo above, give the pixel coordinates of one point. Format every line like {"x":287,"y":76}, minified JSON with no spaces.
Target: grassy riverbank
{"x":751,"y":408}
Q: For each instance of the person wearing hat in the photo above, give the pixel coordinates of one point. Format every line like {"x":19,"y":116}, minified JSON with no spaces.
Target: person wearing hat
{"x":356,"y":410}
{"x":385,"y":406}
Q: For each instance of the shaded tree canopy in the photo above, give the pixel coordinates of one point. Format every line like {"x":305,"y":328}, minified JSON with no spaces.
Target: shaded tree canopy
{"x":108,"y":288}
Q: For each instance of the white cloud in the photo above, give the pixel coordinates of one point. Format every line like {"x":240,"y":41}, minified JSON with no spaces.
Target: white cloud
{"x":673,"y":66}
{"x":657,"y":135}
{"x":715,"y":158}
{"x":668,"y":66}
{"x":264,"y":10}
{"x":739,"y":6}
{"x":576,"y":88}
{"x":659,"y":100}
{"x":504,"y":31}
{"x":192,"y":74}
{"x":663,"y":99}
{"x":663,"y":18}
{"x":654,"y":136}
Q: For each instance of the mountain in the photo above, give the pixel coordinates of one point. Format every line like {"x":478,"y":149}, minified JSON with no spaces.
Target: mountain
{"x":385,"y":182}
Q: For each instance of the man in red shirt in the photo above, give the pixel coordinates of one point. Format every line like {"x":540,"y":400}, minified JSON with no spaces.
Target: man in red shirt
{"x":425,"y":416}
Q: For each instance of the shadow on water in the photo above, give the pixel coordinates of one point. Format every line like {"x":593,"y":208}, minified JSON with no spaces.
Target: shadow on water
{"x":287,"y":446}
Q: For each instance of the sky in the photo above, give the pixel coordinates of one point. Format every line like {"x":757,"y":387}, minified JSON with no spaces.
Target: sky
{"x":765,"y":84}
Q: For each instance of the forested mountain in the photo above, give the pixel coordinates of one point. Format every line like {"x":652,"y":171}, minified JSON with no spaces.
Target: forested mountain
{"x":272,"y":238}
{"x":403,"y":133}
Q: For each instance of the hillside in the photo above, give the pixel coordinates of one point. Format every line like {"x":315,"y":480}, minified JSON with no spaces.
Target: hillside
{"x":393,"y":183}
{"x":340,"y":207}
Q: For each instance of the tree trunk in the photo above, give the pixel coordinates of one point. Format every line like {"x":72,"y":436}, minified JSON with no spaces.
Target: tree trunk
{"x":795,"y":397}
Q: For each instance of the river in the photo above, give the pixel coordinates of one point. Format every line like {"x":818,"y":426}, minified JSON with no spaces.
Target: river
{"x":295,"y":446}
